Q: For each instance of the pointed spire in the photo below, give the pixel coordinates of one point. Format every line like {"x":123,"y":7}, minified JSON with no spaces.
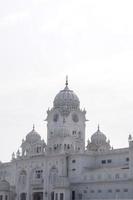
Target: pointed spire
{"x":66,"y":81}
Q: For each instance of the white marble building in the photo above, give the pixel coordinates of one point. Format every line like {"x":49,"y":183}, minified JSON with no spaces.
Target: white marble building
{"x":63,"y":168}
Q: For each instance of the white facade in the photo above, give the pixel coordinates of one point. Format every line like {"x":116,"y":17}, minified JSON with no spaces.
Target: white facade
{"x":63,"y":169}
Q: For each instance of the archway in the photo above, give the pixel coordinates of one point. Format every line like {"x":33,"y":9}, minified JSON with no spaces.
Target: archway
{"x":23,"y":196}
{"x":38,"y":196}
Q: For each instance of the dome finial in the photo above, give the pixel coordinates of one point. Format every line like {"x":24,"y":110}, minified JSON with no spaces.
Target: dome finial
{"x":66,"y":80}
{"x":33,"y":127}
{"x":98,"y":128}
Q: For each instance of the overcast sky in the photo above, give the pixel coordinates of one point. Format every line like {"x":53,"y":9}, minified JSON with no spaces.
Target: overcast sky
{"x":42,"y":41}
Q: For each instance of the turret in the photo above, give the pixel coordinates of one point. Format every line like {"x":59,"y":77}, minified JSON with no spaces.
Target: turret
{"x":32,"y":145}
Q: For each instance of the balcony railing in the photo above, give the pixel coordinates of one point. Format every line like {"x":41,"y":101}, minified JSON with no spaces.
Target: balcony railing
{"x":38,"y":181}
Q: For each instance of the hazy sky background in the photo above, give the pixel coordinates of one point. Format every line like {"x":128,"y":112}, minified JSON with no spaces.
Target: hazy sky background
{"x":42,"y":41}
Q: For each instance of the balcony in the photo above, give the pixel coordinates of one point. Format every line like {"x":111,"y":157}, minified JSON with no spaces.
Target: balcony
{"x":36,"y":181}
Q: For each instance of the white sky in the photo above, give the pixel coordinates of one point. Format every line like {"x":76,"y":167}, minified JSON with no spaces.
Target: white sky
{"x":43,"y":40}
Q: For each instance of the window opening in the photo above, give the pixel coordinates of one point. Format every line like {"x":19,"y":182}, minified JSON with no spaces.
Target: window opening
{"x":73,"y":195}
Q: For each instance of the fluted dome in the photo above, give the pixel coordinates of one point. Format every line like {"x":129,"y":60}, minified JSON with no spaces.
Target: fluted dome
{"x":4,"y":185}
{"x":33,"y":136}
{"x":98,"y":137}
{"x":66,"y":100}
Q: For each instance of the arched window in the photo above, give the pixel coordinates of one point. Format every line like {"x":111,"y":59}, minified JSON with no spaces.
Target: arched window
{"x":38,"y":149}
{"x":74,"y":132}
{"x":23,"y":178}
{"x":38,"y":173}
{"x":117,"y":176}
{"x":53,"y":175}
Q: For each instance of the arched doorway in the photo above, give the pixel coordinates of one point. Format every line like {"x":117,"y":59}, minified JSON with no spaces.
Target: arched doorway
{"x":52,"y":195}
{"x":38,"y":196}
{"x":23,"y":196}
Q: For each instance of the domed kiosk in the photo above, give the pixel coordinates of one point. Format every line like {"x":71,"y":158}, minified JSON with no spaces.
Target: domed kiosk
{"x":98,"y":138}
{"x":33,"y":144}
{"x":98,"y":141}
{"x":33,"y":136}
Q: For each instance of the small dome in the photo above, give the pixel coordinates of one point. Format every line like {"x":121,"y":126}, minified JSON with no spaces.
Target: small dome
{"x":33,"y":136}
{"x":4,"y":185}
{"x":66,"y":100}
{"x":98,"y":137}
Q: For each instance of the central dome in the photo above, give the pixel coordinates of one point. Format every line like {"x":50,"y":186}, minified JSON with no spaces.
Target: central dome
{"x":66,"y":100}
